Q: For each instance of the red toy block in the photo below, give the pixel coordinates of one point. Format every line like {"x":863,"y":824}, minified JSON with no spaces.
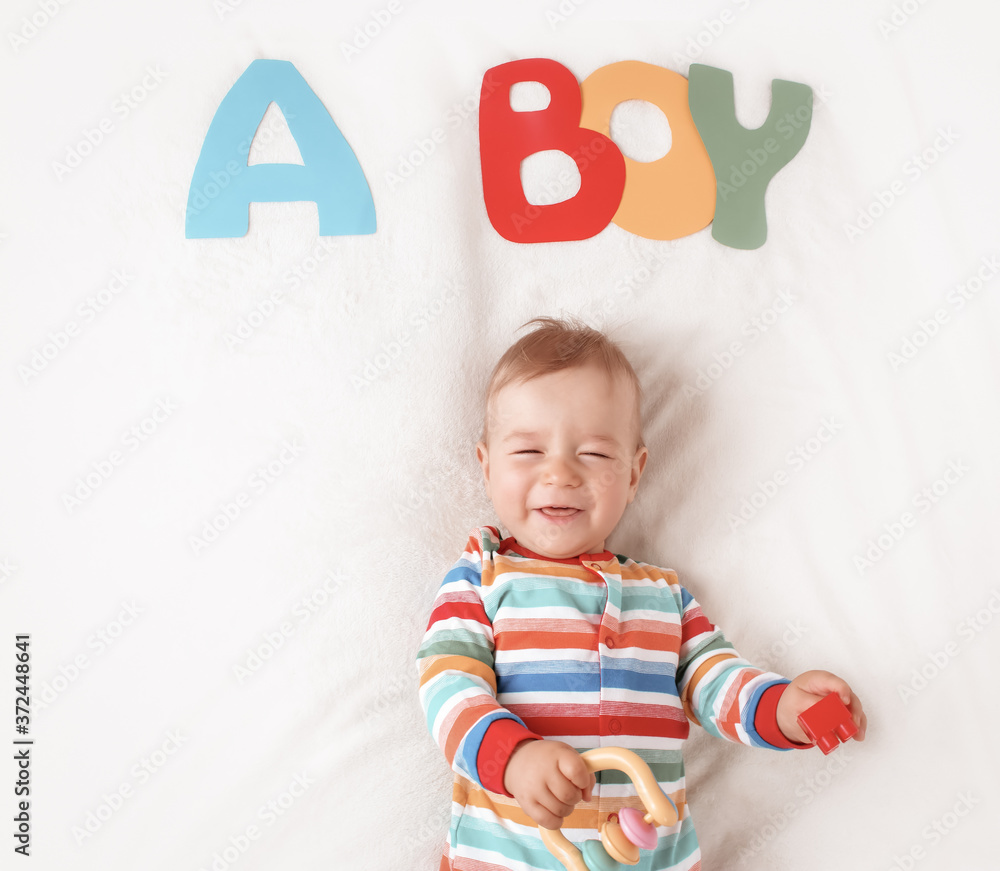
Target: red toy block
{"x":826,"y":721}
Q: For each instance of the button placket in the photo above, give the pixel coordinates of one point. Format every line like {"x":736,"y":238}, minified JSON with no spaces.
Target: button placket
{"x":601,"y":637}
{"x":612,"y":608}
{"x":609,"y":728}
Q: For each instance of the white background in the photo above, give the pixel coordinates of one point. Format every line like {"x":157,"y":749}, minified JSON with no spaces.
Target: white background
{"x":372,"y":365}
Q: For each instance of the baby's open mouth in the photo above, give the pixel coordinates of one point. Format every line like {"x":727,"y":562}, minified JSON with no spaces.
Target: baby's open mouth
{"x":557,"y":511}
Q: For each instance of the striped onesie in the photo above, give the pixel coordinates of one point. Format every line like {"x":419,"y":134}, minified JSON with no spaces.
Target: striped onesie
{"x":596,"y":651}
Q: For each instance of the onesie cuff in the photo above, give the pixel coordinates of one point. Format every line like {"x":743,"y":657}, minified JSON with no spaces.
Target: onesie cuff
{"x":495,"y":750}
{"x":766,"y":719}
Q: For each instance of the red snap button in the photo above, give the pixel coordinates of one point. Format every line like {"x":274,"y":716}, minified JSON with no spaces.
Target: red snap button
{"x":615,"y":726}
{"x":609,"y":642}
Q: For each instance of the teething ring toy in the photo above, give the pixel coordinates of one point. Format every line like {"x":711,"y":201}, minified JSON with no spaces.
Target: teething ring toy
{"x":623,"y":833}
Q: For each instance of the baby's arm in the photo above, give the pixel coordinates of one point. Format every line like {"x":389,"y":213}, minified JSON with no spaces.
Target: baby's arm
{"x":721,"y":691}
{"x":457,"y":681}
{"x":733,"y":700}
{"x":805,"y":691}
{"x":548,"y":779}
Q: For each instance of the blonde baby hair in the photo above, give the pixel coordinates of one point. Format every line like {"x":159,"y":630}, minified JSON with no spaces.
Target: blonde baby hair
{"x":560,"y":343}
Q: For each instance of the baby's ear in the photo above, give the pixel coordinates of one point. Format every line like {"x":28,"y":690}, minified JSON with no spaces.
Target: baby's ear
{"x":638,"y":464}
{"x":483,"y":456}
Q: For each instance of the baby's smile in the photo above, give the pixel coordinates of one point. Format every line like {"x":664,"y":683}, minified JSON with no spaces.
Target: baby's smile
{"x":558,"y":513}
{"x":562,"y":464}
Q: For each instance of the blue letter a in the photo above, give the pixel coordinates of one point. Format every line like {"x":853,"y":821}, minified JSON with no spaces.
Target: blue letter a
{"x":224,"y":185}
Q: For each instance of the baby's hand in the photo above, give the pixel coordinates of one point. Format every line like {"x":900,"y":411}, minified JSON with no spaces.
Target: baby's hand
{"x":807,"y":689}
{"x":548,"y":779}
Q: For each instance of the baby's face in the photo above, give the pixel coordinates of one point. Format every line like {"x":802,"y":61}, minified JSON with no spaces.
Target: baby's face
{"x":562,"y":462}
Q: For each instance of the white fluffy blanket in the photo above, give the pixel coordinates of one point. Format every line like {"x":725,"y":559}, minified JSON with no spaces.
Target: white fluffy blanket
{"x":251,"y":704}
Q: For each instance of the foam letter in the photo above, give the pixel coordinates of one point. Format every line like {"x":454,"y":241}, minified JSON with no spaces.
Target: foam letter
{"x":741,"y":174}
{"x":331,"y":176}
{"x":507,"y":137}
{"x":666,"y":198}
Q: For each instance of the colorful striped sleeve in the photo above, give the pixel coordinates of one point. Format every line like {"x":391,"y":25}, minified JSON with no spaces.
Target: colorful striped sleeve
{"x":766,"y":720}
{"x":719,"y":689}
{"x":457,"y":683}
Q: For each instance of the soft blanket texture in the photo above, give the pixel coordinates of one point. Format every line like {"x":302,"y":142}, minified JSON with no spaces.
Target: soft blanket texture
{"x":251,"y":703}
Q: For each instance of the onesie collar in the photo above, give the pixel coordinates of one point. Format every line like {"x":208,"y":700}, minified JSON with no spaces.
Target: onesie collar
{"x":511,"y":543}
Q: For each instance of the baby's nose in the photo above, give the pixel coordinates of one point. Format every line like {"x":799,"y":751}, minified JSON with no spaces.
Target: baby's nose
{"x":558,"y":468}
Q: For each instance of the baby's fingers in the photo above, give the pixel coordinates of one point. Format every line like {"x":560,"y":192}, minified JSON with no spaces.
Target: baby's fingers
{"x":859,"y":717}
{"x":565,"y":792}
{"x":822,"y":683}
{"x":540,"y":810}
{"x":575,"y":770}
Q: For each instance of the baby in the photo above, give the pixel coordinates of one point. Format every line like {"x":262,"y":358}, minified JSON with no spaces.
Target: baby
{"x":544,"y":644}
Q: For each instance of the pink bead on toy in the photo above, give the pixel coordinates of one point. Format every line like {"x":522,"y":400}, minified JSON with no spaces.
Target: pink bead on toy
{"x":624,"y":833}
{"x":826,"y":721}
{"x":636,"y":829}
